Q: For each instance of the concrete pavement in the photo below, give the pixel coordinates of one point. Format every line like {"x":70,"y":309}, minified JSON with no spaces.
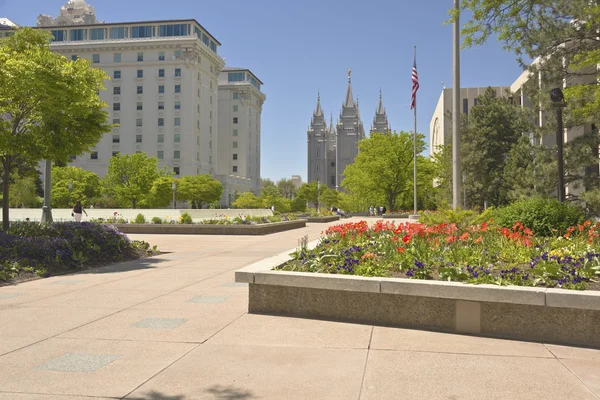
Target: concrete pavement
{"x":176,"y":327}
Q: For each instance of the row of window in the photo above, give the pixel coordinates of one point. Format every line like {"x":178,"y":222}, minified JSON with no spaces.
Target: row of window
{"x":140,"y":89}
{"x":144,"y":31}
{"x":140,"y":73}
{"x":140,"y":57}
{"x":242,"y":77}
{"x":140,"y":107}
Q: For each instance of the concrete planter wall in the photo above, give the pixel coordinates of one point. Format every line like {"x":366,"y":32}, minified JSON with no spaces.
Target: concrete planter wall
{"x":395,"y":216}
{"x":321,"y":220}
{"x":536,"y":314}
{"x":263,"y":229}
{"x":64,"y":214}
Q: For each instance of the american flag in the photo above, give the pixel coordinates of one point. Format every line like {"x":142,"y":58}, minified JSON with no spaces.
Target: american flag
{"x":415,"y":85}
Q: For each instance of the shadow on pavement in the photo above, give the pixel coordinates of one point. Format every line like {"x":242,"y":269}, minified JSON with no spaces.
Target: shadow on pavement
{"x":157,"y":396}
{"x":229,"y":393}
{"x":144,"y":263}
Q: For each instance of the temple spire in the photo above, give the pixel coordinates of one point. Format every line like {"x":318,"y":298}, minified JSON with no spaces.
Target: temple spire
{"x":380,"y":121}
{"x":318,"y":110}
{"x":380,"y":109}
{"x":349,"y":98}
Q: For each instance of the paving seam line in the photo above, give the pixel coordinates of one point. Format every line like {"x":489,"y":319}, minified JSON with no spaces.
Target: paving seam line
{"x":364,"y":374}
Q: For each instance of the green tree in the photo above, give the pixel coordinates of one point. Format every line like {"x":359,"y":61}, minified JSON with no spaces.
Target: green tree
{"x":286,"y":188}
{"x":530,"y":171}
{"x":85,"y":186}
{"x":309,"y":193}
{"x":248,"y":200}
{"x":49,"y":105}
{"x":130,"y":178}
{"x":199,"y":189}
{"x":383,"y":167}
{"x":562,"y":33}
{"x":493,"y":127}
{"x":298,"y":205}
{"x":23,"y":192}
{"x":161,"y":193}
{"x":280,"y":203}
{"x":329,"y":198}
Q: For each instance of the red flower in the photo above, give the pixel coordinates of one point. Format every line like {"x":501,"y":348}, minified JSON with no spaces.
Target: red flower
{"x":395,"y":239}
{"x":478,"y":240}
{"x":464,"y":236}
{"x":400,"y":250}
{"x":406,"y":239}
{"x":450,"y":239}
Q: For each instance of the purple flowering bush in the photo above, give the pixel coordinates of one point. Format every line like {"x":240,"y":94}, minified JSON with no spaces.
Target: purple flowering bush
{"x":38,"y":248}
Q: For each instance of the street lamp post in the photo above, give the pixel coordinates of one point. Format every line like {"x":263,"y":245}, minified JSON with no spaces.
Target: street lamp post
{"x":70,"y":186}
{"x":46,"y":209}
{"x":456,"y":110}
{"x":558,"y":102}
{"x":174,"y":187}
{"x":318,"y":196}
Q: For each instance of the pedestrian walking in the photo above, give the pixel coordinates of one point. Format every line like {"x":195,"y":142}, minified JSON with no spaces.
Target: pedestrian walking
{"x":77,"y":211}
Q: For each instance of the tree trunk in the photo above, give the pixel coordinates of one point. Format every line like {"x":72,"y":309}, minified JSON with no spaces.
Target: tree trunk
{"x":5,"y":195}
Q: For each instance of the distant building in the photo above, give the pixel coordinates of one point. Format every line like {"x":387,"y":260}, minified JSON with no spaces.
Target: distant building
{"x":441,"y":122}
{"x":6,"y":27}
{"x":74,"y":12}
{"x":440,"y":127}
{"x":331,"y":148}
{"x":167,"y":95}
{"x":297,"y":181}
{"x":238,"y":141}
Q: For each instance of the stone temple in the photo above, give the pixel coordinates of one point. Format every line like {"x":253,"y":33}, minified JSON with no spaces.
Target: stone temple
{"x":331,"y":148}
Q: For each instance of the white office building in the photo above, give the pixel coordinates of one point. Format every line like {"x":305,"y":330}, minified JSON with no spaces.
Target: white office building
{"x":238,"y":143}
{"x":163,"y":96}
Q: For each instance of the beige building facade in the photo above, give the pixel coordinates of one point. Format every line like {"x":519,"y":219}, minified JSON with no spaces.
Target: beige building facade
{"x":238,"y":144}
{"x":167,"y":92}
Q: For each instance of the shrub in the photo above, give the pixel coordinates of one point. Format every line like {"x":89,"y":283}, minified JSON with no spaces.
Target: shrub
{"x":157,"y":220}
{"x":32,"y":247}
{"x":140,"y":219}
{"x":185,"y":219}
{"x":459,"y":217}
{"x":298,"y":205}
{"x":546,"y":217}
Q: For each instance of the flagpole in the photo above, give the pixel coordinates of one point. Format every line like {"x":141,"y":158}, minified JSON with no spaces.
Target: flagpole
{"x":415,"y":149}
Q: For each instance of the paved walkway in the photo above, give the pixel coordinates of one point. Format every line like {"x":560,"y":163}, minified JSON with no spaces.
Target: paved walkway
{"x":176,"y":327}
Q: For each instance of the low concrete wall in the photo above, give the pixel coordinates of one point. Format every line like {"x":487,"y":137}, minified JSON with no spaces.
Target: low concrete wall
{"x":64,"y":214}
{"x":263,"y":229}
{"x":321,"y":220}
{"x":521,"y":313}
{"x":395,"y":216}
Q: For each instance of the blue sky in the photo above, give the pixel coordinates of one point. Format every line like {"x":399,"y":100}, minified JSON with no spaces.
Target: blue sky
{"x":300,"y":47}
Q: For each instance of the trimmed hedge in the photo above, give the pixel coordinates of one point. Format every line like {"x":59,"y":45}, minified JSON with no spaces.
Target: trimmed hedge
{"x":546,"y":217}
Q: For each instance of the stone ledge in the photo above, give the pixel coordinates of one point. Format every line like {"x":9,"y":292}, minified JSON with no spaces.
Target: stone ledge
{"x":321,"y":220}
{"x":589,"y":300}
{"x":318,"y":281}
{"x":395,"y":216}
{"x":462,"y":291}
{"x":199,"y":229}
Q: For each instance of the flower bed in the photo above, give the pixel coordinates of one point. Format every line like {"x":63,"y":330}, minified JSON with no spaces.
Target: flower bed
{"x":475,"y":254}
{"x":30,"y":249}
